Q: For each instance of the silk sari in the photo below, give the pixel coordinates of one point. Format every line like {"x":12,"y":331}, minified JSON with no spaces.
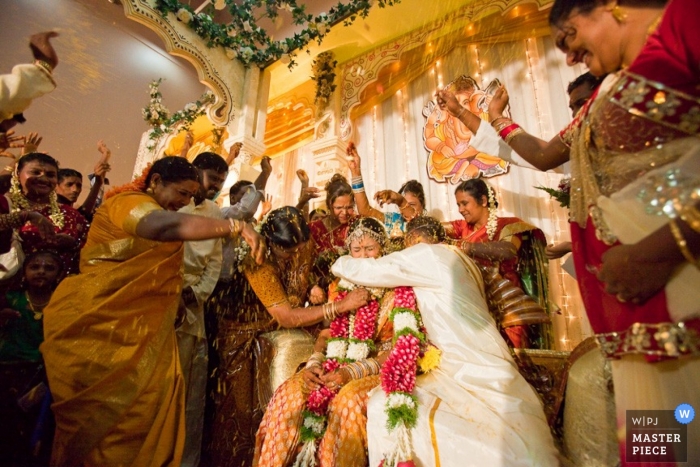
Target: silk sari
{"x":635,"y":165}
{"x":110,"y":348}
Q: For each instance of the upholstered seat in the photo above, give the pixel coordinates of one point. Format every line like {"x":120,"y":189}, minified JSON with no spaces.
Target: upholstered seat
{"x":282,"y":353}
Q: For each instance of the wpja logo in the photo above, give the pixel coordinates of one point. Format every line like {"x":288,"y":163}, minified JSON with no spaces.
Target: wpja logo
{"x":658,"y":435}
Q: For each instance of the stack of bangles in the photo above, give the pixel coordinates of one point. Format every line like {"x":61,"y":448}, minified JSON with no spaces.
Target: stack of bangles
{"x":357,"y":185}
{"x":330,"y":311}
{"x":236,"y":227}
{"x":316,"y":359}
{"x":362,"y":368}
{"x":14,"y":220}
{"x":506,"y":129}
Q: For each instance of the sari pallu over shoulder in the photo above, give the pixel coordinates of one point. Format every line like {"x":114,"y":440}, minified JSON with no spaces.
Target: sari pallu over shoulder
{"x":110,"y":346}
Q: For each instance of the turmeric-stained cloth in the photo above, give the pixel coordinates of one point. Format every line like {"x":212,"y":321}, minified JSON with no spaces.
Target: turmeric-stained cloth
{"x":110,"y":348}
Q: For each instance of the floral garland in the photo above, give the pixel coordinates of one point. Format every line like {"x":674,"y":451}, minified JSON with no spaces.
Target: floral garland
{"x":324,"y":75}
{"x":159,"y":117}
{"x":244,"y":40}
{"x":21,"y":203}
{"x":351,"y":340}
{"x":562,"y":194}
{"x":398,"y":376}
{"x":492,"y":222}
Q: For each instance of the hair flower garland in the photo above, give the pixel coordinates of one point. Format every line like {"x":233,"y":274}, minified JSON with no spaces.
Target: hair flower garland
{"x":352,"y":339}
{"x":492,"y":222}
{"x":398,"y":377}
{"x":244,"y":40}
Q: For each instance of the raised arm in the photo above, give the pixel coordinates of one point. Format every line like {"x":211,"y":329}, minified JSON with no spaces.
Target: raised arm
{"x":266,"y":170}
{"x":361,"y":200}
{"x":100,"y":171}
{"x":544,"y":155}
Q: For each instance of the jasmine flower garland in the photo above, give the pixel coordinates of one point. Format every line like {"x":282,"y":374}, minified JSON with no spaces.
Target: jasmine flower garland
{"x":352,"y":339}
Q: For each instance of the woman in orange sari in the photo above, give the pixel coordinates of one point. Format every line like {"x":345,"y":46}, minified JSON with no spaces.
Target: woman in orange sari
{"x":110,"y":347}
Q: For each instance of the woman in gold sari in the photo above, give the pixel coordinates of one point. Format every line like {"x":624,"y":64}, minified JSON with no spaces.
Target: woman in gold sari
{"x":344,"y":442}
{"x":110,"y":348}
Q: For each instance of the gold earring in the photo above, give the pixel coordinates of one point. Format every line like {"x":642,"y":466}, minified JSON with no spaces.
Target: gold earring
{"x":619,"y":14}
{"x":149,"y":190}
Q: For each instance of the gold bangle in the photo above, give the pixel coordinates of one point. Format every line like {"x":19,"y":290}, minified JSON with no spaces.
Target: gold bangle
{"x":513,"y":134}
{"x":682,"y":243}
{"x":44,"y":65}
{"x":691,"y":216}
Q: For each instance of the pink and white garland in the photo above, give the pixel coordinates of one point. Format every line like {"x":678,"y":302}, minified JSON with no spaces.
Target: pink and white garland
{"x":352,"y":339}
{"x":398,"y":377}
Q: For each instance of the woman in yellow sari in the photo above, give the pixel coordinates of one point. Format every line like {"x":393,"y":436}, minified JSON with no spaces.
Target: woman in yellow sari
{"x":110,"y":347}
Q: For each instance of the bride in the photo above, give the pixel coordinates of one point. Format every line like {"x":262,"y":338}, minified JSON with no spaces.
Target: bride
{"x":475,"y":408}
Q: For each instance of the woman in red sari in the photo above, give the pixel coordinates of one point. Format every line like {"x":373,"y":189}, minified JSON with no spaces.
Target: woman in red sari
{"x":34,"y":189}
{"x":635,"y":189}
{"x":509,"y":243}
{"x":330,"y":232}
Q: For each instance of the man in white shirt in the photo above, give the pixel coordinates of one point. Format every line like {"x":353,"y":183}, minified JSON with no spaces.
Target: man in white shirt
{"x":202,"y":268}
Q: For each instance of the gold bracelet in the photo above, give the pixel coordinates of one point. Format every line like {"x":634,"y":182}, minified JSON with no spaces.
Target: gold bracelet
{"x":682,"y":244}
{"x":44,"y":65}
{"x":691,"y":216}
{"x":499,"y":126}
{"x":513,"y":134}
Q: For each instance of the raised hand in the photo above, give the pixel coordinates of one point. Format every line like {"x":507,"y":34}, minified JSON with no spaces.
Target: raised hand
{"x":353,"y":160}
{"x":303,"y":177}
{"x":447,"y":100}
{"x":10,"y":140}
{"x":42,"y":49}
{"x":233,"y":152}
{"x":31,"y":143}
{"x":266,"y":165}
{"x":498,"y":103}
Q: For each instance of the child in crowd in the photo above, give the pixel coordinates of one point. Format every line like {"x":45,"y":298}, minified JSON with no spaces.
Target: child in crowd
{"x":23,"y":397}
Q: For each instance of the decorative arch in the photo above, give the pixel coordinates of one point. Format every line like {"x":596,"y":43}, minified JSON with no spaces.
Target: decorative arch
{"x":214,"y":68}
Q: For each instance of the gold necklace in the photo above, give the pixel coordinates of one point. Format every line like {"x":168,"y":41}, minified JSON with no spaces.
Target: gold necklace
{"x":21,"y":203}
{"x":37,"y":314}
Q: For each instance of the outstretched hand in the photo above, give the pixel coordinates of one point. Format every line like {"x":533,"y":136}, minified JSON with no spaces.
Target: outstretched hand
{"x":388,"y":196}
{"x":42,"y":49}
